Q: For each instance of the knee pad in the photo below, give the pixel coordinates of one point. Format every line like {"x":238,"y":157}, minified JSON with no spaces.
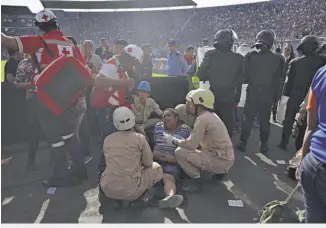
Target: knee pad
{"x":66,"y":137}
{"x":57,"y":144}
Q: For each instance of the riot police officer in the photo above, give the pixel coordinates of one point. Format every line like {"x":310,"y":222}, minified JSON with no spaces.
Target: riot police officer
{"x":263,"y":71}
{"x":223,"y":69}
{"x":300,"y":74}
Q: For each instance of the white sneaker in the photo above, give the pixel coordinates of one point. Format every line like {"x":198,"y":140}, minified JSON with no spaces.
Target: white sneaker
{"x":170,"y":201}
{"x":88,"y":159}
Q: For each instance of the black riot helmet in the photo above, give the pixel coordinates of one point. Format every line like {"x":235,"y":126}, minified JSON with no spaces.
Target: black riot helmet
{"x":308,"y":44}
{"x":265,"y":38}
{"x":225,"y":38}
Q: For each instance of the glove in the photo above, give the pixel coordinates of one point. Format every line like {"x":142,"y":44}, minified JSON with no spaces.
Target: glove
{"x":168,"y":138}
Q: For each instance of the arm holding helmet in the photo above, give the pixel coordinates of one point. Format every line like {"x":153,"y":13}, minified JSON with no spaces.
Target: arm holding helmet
{"x":105,"y":80}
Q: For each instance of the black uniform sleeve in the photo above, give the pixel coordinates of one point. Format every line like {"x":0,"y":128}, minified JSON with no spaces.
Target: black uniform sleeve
{"x":204,"y":68}
{"x":245,"y":67}
{"x":240,"y":79}
{"x":277,"y":79}
{"x":284,"y":70}
{"x":291,"y":76}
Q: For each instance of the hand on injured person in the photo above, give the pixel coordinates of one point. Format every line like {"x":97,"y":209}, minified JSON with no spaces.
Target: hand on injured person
{"x":168,"y":138}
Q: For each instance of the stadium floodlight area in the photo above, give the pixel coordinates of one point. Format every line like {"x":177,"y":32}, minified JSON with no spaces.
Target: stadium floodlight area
{"x":121,"y":5}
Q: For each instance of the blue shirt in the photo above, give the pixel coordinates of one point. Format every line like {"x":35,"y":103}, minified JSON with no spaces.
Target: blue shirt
{"x":318,"y":139}
{"x":182,"y":132}
{"x":177,"y":65}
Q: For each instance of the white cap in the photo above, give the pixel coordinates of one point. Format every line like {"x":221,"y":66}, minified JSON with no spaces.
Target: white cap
{"x":44,"y":16}
{"x":123,"y":119}
{"x":134,"y":51}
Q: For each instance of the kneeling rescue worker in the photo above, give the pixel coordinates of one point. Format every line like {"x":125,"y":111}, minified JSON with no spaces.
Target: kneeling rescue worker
{"x":59,"y":129}
{"x":216,"y":154}
{"x":130,"y":169}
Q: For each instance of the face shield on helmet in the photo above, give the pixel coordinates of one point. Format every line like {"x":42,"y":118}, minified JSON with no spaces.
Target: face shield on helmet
{"x":265,"y":38}
{"x":45,"y":19}
{"x":123,"y":119}
{"x":225,"y":38}
{"x":308,"y":44}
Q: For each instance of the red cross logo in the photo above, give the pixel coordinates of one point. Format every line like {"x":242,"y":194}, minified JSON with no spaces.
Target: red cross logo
{"x":65,"y":51}
{"x":45,"y":17}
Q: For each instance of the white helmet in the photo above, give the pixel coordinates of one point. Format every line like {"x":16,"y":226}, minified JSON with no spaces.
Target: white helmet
{"x":123,"y":119}
{"x":45,"y":16}
{"x":134,"y":51}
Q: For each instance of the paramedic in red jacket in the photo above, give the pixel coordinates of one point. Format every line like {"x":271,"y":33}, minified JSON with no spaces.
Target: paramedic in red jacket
{"x":57,"y":128}
{"x":112,"y":88}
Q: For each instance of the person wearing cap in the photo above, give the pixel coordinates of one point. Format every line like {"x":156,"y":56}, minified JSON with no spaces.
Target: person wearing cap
{"x":177,"y":65}
{"x":222,"y":68}
{"x":118,"y":46}
{"x":103,"y":50}
{"x":300,"y":74}
{"x":216,"y":154}
{"x":263,"y":71}
{"x":112,"y":89}
{"x":59,"y":129}
{"x":205,"y":42}
{"x":130,"y":169}
{"x":143,"y":107}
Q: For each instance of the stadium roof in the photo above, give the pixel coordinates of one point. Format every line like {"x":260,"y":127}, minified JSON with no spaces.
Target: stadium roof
{"x":114,"y":4}
{"x":119,"y":5}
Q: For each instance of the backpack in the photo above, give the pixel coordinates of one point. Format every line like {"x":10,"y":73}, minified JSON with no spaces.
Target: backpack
{"x":278,"y":211}
{"x":62,"y":82}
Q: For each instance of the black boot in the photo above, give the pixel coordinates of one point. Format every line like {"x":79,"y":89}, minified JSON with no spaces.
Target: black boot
{"x":219,"y":177}
{"x":61,"y":182}
{"x":241,"y":146}
{"x":79,"y":173}
{"x":282,"y":145}
{"x":194,"y":187}
{"x":264,"y":147}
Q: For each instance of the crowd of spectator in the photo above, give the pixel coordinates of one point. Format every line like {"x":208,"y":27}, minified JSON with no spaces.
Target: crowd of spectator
{"x":289,"y":19}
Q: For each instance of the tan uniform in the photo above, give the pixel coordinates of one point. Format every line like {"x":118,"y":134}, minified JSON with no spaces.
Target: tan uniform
{"x":184,"y":117}
{"x":130,"y":169}
{"x":143,"y":112}
{"x":216,"y":154}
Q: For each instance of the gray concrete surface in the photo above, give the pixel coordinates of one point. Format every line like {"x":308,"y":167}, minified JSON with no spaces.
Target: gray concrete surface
{"x":256,"y":179}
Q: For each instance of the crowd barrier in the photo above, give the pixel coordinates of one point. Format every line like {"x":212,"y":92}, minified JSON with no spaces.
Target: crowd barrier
{"x":166,"y":91}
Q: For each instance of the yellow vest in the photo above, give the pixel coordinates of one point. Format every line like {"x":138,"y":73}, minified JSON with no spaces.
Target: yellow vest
{"x":195,"y":80}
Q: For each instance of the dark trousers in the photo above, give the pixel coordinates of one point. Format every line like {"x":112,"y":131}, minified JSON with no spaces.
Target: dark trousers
{"x":34,"y":131}
{"x":59,"y":131}
{"x":300,"y":136}
{"x":251,"y":110}
{"x":85,"y":137}
{"x":274,"y":110}
{"x":313,"y":182}
{"x":292,"y":109}
{"x":226,"y":111}
{"x":105,"y":118}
